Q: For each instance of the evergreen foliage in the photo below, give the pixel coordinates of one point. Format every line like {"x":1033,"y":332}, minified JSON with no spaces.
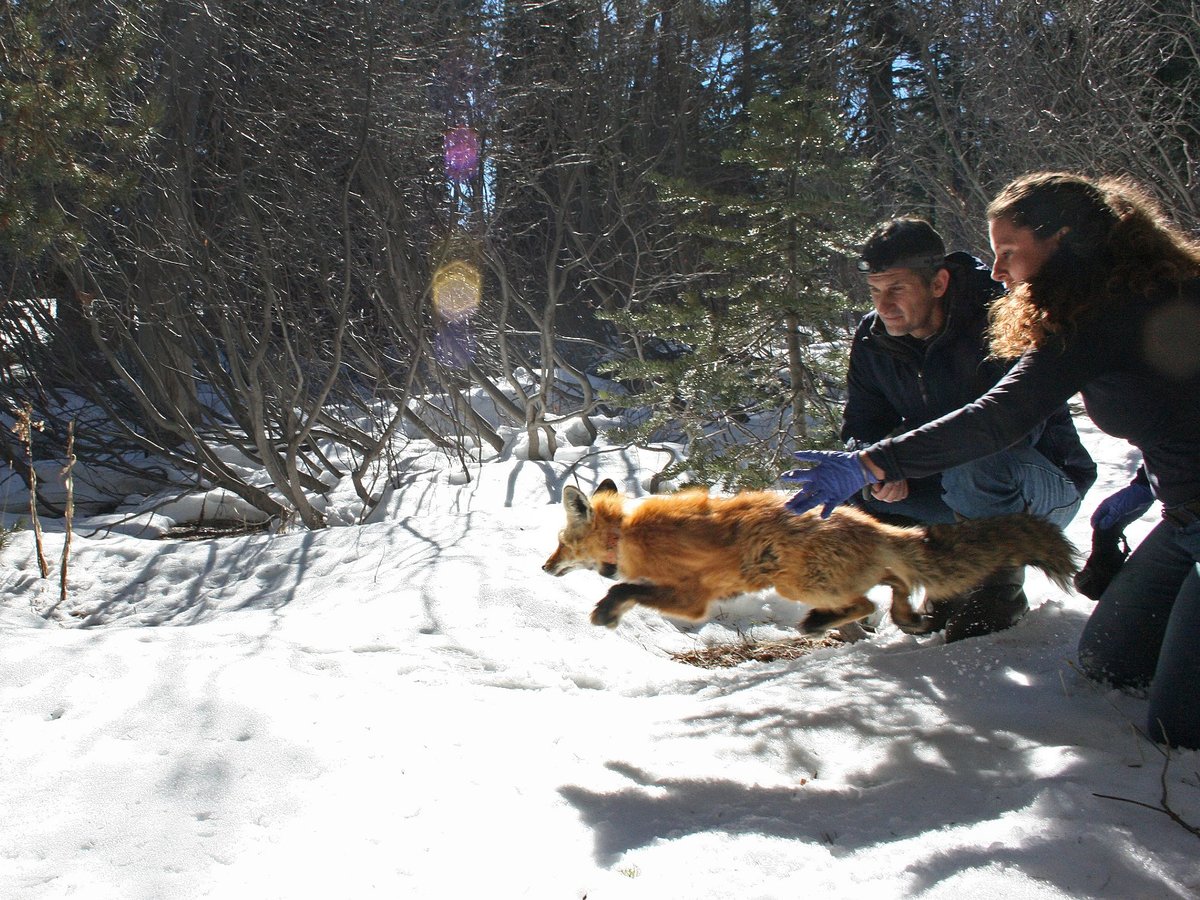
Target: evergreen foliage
{"x":68,"y":120}
{"x":751,"y":372}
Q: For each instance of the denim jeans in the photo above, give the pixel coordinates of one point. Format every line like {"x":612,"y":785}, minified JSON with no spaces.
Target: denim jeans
{"x":1019,"y":479}
{"x":1145,"y":632}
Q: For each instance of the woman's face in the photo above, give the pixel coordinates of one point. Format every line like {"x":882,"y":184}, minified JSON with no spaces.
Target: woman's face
{"x":1019,"y":252}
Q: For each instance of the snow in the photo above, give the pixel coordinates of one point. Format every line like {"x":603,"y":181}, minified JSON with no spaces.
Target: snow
{"x":410,"y":708}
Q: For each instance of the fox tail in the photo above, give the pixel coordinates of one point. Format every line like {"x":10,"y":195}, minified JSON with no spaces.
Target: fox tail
{"x":957,"y":557}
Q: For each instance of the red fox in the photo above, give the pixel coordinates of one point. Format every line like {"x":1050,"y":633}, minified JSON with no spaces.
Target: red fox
{"x":679,"y":553}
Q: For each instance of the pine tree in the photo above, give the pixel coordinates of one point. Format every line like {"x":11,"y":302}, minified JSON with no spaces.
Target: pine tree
{"x":755,"y":340}
{"x":68,"y":123}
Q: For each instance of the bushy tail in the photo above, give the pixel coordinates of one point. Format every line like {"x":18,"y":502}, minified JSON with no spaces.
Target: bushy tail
{"x":960,"y":556}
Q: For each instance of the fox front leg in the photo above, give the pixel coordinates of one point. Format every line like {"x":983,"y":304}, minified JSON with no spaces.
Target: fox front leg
{"x":691,"y":605}
{"x":619,"y":600}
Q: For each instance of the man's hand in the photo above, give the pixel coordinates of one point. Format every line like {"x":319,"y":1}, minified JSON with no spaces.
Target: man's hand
{"x":833,"y":477}
{"x":890,"y":491}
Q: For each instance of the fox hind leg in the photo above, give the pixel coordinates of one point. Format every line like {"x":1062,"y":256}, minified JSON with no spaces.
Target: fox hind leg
{"x":906,"y":618}
{"x":823,"y":619}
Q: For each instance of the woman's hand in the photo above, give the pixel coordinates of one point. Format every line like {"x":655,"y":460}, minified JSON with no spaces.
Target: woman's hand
{"x":834,"y":477}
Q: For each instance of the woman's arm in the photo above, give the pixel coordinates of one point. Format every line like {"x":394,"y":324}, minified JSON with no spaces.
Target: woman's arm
{"x":1041,"y":381}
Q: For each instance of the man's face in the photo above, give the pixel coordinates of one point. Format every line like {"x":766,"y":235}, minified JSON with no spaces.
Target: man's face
{"x":906,"y":304}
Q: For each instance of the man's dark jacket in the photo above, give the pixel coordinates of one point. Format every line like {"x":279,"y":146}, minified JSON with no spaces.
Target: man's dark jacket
{"x":896,"y":384}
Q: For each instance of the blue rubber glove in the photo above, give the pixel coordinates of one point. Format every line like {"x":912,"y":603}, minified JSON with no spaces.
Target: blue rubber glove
{"x":1126,"y":504}
{"x":833,"y":477}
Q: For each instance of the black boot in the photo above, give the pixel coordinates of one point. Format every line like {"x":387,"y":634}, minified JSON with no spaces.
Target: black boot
{"x":998,"y":603}
{"x":1109,"y":552}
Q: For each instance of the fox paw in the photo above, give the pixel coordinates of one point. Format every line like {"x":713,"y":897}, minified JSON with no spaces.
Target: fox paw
{"x":919,"y":625}
{"x":608,"y":611}
{"x":820,"y":620}
{"x":606,"y":614}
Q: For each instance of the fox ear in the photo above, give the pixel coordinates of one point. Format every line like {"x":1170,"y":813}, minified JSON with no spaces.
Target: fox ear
{"x":578,"y":507}
{"x":607,"y":486}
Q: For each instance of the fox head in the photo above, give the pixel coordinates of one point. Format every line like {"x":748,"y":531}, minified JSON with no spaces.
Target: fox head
{"x":582,"y":544}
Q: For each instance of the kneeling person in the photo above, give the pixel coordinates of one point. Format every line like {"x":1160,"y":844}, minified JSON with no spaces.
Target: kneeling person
{"x":921,"y":353}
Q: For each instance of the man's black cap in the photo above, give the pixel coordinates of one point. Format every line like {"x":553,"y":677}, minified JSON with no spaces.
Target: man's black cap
{"x":904,"y":243}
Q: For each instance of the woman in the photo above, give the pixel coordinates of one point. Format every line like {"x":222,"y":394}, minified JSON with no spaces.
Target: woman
{"x":1104,"y":300}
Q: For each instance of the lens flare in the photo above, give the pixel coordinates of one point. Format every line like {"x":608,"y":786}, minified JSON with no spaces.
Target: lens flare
{"x":460,"y":149}
{"x":455,"y":344}
{"x":457,"y":287}
{"x":1171,"y":340}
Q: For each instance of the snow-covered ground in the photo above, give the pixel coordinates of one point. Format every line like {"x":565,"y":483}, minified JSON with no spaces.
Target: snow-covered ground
{"x":411,"y":708}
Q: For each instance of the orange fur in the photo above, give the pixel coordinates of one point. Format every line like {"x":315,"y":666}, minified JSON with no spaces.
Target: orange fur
{"x":680,"y":553}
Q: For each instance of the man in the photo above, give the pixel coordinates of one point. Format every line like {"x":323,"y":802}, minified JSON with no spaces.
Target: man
{"x":922,"y":353}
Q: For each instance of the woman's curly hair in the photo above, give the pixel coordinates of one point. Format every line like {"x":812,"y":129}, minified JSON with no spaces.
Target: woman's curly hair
{"x":1117,"y":246}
